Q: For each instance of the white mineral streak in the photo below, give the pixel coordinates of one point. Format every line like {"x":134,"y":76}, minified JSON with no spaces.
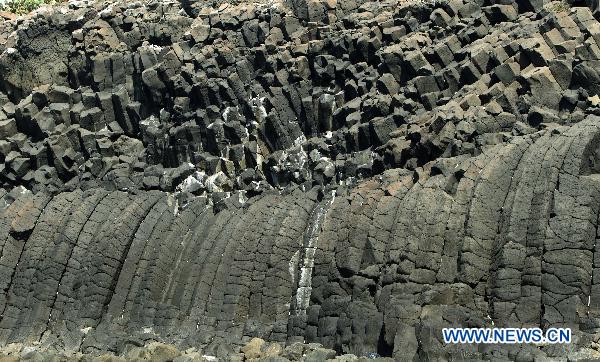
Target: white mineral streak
{"x":173,"y":203}
{"x":225,"y":114}
{"x":148,"y":330}
{"x":592,"y":277}
{"x":311,"y":241}
{"x":242,"y":198}
{"x":295,"y":157}
{"x":260,"y":112}
{"x":192,"y":182}
{"x":293,"y":264}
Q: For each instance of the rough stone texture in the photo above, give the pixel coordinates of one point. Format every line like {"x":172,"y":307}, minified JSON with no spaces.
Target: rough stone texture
{"x":298,"y":180}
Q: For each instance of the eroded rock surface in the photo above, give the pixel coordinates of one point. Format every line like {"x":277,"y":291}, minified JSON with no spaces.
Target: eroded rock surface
{"x":354,"y":174}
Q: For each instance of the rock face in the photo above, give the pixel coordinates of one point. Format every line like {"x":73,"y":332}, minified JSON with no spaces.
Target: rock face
{"x":354,"y":174}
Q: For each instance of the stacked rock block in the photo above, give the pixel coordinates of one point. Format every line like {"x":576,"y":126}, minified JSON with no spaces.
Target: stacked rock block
{"x":256,"y":96}
{"x":357,"y":174}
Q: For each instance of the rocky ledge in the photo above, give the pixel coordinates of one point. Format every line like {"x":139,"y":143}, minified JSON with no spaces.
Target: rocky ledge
{"x":256,"y":350}
{"x":193,"y":178}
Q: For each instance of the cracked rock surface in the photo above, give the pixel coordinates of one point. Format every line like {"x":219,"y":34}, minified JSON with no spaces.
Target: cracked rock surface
{"x":185,"y":180}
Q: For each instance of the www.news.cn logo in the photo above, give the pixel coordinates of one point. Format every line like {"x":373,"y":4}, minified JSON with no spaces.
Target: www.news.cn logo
{"x":506,"y":335}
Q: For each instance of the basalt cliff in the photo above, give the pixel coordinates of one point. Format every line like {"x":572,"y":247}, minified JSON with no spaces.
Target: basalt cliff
{"x":357,"y":174}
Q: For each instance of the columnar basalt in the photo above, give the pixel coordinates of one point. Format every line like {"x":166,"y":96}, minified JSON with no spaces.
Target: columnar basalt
{"x":354,"y":174}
